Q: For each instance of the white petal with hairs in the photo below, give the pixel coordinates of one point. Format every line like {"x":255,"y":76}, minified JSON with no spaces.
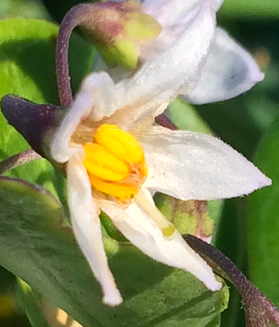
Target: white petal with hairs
{"x":190,"y":165}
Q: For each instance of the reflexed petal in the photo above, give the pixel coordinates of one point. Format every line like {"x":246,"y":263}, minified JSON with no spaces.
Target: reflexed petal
{"x":87,"y":229}
{"x":228,"y":71}
{"x":196,"y":166}
{"x":143,"y":232}
{"x":94,"y":100}
{"x":171,"y":72}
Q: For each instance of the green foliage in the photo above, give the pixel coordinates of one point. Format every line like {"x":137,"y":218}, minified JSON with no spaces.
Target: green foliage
{"x":44,"y":254}
{"x":25,"y":8}
{"x":263,"y":219}
{"x":27,"y":69}
{"x":250,"y":9}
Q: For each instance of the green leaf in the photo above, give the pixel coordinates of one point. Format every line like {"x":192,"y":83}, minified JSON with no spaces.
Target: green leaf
{"x":263,"y":219}
{"x":250,"y":9}
{"x":19,"y":8}
{"x":36,"y":247}
{"x":27,"y":69}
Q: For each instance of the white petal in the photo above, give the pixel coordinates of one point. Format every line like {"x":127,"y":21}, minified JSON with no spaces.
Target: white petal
{"x":227,"y":72}
{"x":142,"y":231}
{"x":168,"y":12}
{"x":196,"y":166}
{"x":171,"y":72}
{"x":174,"y":12}
{"x":94,"y":100}
{"x":87,"y":229}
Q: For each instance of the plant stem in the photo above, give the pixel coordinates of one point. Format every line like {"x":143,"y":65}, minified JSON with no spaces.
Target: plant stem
{"x":260,"y":311}
{"x":18,"y":160}
{"x":71,"y":20}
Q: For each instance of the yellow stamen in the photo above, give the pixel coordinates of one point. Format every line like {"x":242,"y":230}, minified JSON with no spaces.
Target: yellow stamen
{"x":115,"y":163}
{"x":103,"y":164}
{"x":120,"y":143}
{"x":122,"y":192}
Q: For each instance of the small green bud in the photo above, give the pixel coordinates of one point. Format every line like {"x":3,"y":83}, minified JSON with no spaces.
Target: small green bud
{"x":118,"y":30}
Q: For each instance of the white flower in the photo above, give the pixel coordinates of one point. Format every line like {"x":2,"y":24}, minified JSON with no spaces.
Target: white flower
{"x":109,"y":169}
{"x":116,"y":171}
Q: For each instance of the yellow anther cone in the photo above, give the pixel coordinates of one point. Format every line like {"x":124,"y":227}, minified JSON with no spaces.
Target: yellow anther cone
{"x":115,"y":163}
{"x":120,"y":191}
{"x":122,"y":144}
{"x":103,"y":164}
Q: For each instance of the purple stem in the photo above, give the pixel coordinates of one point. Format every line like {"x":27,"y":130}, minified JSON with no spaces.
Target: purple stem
{"x":18,"y":160}
{"x":260,"y":311}
{"x":71,"y":20}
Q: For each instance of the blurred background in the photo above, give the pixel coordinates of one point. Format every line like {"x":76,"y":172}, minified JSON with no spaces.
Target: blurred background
{"x":240,"y":122}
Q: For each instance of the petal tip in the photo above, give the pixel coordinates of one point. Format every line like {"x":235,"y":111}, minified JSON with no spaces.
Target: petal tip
{"x":113,"y":299}
{"x":214,"y":285}
{"x":209,"y":279}
{"x":262,"y":180}
{"x":266,"y":181}
{"x":258,"y":75}
{"x":259,"y":182}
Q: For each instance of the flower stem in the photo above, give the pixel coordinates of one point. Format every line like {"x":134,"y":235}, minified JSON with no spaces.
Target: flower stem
{"x":18,"y":160}
{"x":71,"y":20}
{"x":260,"y":311}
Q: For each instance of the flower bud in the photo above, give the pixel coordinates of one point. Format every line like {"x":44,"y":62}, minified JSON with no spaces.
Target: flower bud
{"x":118,"y":29}
{"x":36,"y":122}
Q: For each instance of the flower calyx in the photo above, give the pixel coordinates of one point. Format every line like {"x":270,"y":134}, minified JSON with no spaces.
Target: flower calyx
{"x":36,"y":122}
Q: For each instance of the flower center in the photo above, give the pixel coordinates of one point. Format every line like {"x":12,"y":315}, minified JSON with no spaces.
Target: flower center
{"x":115,"y":163}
